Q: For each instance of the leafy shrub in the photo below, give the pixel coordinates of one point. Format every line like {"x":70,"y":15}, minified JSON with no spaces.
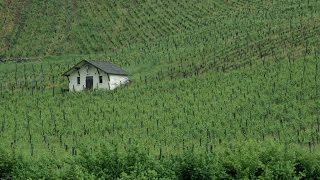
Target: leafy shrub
{"x":44,"y":168}
{"x":106,"y":164}
{"x":307,"y":166}
{"x":7,"y":165}
{"x":109,"y":164}
{"x":190,"y":166}
{"x":252,"y":160}
{"x":76,"y":171}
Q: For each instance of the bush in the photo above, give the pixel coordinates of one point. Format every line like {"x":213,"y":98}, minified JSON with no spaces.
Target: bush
{"x":307,"y":166}
{"x":44,"y":168}
{"x":75,"y":171}
{"x":7,"y":165}
{"x":109,"y":164}
{"x":106,"y":164}
{"x":190,"y":166}
{"x":252,"y":160}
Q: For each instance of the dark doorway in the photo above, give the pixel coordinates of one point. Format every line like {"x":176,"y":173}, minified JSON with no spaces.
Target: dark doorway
{"x":89,"y":82}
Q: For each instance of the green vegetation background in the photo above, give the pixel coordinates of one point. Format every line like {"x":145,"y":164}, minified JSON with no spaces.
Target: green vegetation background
{"x":220,"y":89}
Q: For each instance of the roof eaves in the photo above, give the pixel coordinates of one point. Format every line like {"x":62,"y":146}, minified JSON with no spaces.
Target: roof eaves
{"x":73,"y":67}
{"x":93,"y":63}
{"x":112,"y":66}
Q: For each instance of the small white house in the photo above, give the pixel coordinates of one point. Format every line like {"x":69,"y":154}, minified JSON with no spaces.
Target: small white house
{"x":89,"y":74}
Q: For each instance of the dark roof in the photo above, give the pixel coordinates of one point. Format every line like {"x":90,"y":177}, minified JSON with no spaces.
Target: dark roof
{"x":102,"y":65}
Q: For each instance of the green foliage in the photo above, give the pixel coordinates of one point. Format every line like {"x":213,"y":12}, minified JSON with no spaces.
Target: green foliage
{"x":276,"y":101}
{"x":106,"y":164}
{"x":182,"y":29}
{"x":220,"y":89}
{"x":48,"y":168}
{"x":7,"y":165}
{"x":76,"y":171}
{"x":252,"y":160}
{"x":109,"y":164}
{"x":307,"y":166}
{"x":190,"y":166}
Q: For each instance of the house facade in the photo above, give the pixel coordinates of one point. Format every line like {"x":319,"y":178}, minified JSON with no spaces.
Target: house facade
{"x":95,"y":75}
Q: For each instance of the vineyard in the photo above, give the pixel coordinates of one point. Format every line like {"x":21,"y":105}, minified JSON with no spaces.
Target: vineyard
{"x":220,"y":89}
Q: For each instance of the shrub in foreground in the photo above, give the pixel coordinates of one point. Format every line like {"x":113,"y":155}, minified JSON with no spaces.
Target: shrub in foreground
{"x":250,"y":160}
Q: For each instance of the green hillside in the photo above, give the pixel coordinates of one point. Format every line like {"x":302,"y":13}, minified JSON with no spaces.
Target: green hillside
{"x":220,"y":90}
{"x":46,"y":28}
{"x":36,"y":28}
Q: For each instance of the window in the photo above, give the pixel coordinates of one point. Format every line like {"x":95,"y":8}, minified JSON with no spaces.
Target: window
{"x":100,"y":79}
{"x":78,"y":80}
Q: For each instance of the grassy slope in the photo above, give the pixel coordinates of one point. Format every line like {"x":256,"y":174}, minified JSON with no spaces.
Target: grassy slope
{"x":204,"y":74}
